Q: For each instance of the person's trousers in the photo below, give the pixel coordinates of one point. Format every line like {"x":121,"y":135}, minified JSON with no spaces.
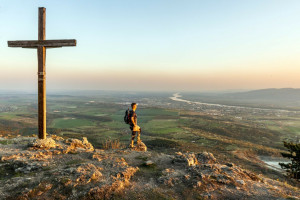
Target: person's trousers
{"x":134,"y":133}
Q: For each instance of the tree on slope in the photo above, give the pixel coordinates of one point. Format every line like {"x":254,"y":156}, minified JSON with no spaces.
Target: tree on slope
{"x":293,"y":168}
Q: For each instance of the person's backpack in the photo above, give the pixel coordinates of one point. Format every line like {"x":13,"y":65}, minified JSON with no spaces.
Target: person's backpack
{"x":127,"y":116}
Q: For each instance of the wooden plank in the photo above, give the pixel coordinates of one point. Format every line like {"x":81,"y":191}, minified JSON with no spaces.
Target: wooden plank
{"x":41,"y":52}
{"x":42,"y":24}
{"x":41,"y":92}
{"x":41,"y":43}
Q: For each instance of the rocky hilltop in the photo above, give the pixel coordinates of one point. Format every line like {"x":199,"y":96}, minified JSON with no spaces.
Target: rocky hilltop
{"x":58,"y":168}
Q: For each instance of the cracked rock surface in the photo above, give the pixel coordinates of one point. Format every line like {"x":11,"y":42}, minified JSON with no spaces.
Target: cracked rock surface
{"x":59,"y":168}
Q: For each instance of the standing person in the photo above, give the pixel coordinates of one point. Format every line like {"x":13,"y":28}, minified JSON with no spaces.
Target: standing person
{"x":133,"y":125}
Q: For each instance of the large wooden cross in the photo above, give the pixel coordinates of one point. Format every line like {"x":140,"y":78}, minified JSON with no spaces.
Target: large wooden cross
{"x":41,"y":44}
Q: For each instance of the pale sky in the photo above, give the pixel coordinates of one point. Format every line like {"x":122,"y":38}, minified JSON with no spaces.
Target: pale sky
{"x":155,"y":45}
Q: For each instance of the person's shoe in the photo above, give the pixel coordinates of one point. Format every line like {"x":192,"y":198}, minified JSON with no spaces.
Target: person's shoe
{"x":131,"y":146}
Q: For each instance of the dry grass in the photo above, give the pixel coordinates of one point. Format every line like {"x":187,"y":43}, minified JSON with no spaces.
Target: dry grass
{"x":112,"y":144}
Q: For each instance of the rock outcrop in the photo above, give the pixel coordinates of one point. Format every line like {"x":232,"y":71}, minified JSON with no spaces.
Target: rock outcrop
{"x":59,"y":168}
{"x":140,"y":146}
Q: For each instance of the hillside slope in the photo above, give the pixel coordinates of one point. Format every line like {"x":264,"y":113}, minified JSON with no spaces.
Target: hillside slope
{"x":59,"y":168}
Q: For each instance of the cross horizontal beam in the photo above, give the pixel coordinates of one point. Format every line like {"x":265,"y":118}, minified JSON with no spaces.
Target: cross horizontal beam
{"x":41,"y":43}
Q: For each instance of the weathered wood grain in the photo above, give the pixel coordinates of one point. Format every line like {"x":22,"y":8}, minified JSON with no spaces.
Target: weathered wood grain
{"x":41,"y":92}
{"x":41,"y":43}
{"x":42,"y":24}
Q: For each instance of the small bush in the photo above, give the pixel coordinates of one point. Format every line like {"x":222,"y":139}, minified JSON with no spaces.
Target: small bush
{"x":5,"y":142}
{"x":293,"y":168}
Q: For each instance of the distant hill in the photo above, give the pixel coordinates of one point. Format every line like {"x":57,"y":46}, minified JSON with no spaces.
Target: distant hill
{"x":285,"y":98}
{"x":272,"y":94}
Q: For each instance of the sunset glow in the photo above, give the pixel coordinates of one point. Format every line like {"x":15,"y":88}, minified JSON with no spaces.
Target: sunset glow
{"x":156,"y":45}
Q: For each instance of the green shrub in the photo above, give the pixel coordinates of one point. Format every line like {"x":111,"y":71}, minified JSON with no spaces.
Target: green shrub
{"x":293,"y":168}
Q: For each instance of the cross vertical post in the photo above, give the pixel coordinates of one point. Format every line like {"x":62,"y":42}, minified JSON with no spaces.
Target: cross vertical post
{"x":41,"y":44}
{"x":42,"y":75}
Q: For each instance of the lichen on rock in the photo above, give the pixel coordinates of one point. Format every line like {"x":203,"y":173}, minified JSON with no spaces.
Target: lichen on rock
{"x":78,"y":145}
{"x":47,"y":143}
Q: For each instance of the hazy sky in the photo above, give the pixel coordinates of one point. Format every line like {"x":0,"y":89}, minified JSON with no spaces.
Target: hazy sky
{"x":155,"y":45}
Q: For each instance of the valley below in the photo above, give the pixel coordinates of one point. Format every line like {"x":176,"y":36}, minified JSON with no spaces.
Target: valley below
{"x":249,"y":136}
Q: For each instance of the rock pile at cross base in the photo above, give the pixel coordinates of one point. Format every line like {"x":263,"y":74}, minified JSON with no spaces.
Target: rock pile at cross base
{"x":58,"y":168}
